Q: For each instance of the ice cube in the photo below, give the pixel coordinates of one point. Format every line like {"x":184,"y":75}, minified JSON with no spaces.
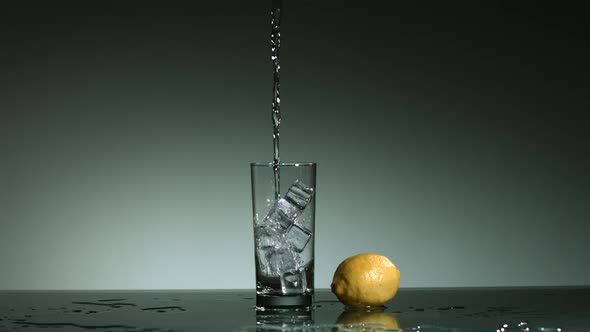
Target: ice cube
{"x":294,"y":282}
{"x":266,"y":236}
{"x":298,"y":237}
{"x":287,"y":209}
{"x":277,"y":261}
{"x":267,"y":240}
{"x":282,"y":260}
{"x":299,"y":194}
{"x":263,"y":263}
{"x":283,"y":213}
{"x":305,"y":257}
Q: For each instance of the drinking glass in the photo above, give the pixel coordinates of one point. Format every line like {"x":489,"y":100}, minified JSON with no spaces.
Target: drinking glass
{"x":284,"y":234}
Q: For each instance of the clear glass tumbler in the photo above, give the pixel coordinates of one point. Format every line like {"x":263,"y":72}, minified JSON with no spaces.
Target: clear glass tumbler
{"x":284,"y":234}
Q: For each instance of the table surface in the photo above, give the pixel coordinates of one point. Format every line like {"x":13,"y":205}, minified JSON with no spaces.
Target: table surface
{"x":433,"y":309}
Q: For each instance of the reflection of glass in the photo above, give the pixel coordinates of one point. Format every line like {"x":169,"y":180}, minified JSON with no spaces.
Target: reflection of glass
{"x":283,"y":319}
{"x":284,"y":234}
{"x":367,"y":318}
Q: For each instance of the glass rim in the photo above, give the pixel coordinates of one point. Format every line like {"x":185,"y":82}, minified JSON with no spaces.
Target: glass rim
{"x":283,"y":164}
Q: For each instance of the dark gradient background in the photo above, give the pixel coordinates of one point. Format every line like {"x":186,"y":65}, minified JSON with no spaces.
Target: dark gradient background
{"x":451,"y":137}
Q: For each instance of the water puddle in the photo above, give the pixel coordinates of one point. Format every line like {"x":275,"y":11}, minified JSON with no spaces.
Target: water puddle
{"x":164,"y":309}
{"x":111,"y":305}
{"x":80,"y":313}
{"x":450,"y":308}
{"x":90,"y":327}
{"x":506,"y":327}
{"x":332,"y":302}
{"x":381,"y":327}
{"x":320,"y":304}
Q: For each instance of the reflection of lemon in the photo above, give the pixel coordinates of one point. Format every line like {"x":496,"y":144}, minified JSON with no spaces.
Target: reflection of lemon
{"x":365,"y":280}
{"x":379,"y":319}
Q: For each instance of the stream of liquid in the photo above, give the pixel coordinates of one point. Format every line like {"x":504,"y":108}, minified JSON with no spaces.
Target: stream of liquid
{"x":275,"y":43}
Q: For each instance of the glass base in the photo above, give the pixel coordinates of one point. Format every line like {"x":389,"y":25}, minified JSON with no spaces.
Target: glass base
{"x":266,"y":301}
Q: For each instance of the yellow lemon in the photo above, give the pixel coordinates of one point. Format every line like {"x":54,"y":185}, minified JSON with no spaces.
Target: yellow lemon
{"x":378,"y":319}
{"x":365,"y":280}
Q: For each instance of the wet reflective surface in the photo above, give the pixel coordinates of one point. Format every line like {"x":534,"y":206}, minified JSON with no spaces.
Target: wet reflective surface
{"x":434,"y":310}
